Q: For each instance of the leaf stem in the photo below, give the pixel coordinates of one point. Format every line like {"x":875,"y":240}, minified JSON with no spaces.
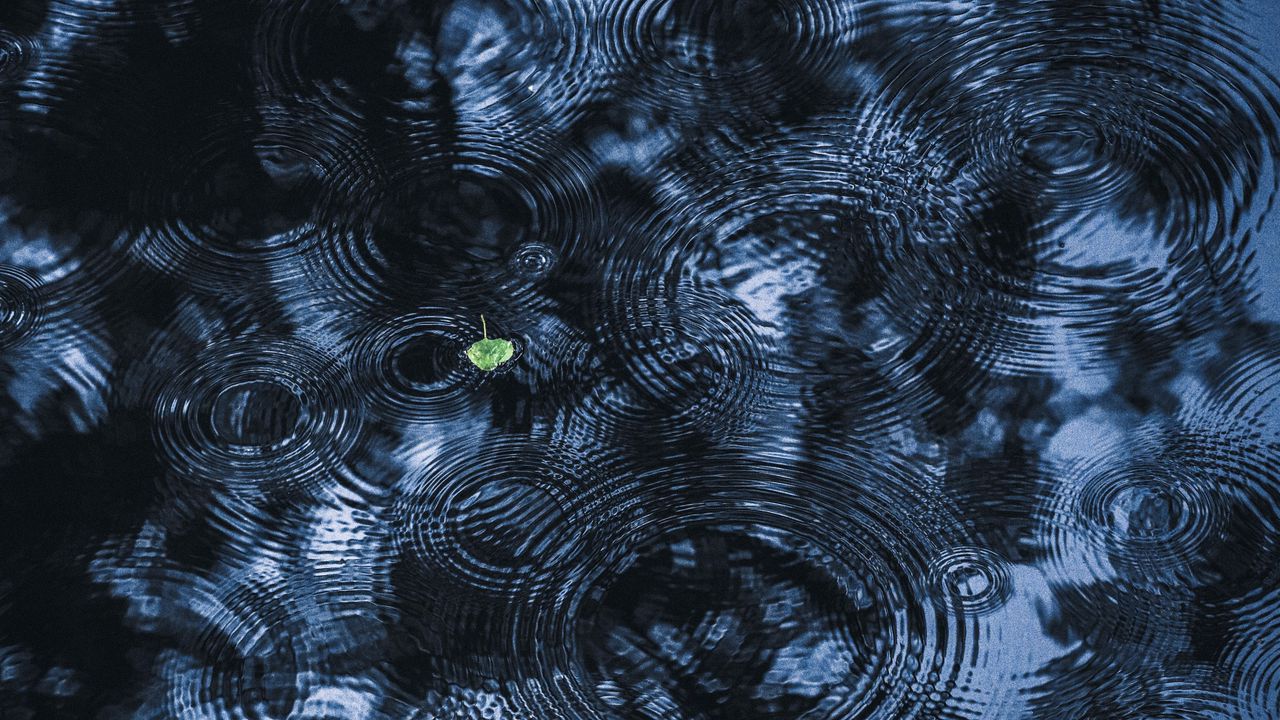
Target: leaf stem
{"x":483,"y":327}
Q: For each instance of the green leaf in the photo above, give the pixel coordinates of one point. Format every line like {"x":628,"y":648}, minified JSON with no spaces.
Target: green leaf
{"x":489,"y":354}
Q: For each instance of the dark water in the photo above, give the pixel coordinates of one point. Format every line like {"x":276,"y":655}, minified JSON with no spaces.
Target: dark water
{"x":871,"y":359}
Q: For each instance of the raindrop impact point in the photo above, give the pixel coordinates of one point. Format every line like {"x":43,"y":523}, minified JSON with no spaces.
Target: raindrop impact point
{"x":488,"y":354}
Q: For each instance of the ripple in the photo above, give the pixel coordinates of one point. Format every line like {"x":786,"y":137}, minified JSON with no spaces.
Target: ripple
{"x":749,"y":56}
{"x":21,"y":305}
{"x":972,"y":580}
{"x":246,"y":644}
{"x":818,"y":199}
{"x":460,"y":226}
{"x":67,"y":84}
{"x":498,"y":531}
{"x":1055,"y":149}
{"x":1145,"y":508}
{"x":1180,"y":508}
{"x":1099,"y":177}
{"x":257,"y":415}
{"x":875,"y":359}
{"x":1230,"y":433}
{"x":414,"y":367}
{"x":533,"y":260}
{"x":1253,"y":661}
{"x":696,"y":362}
{"x":734,"y":580}
{"x":1056,"y":99}
{"x":500,"y":517}
{"x":224,"y":217}
{"x":232,"y":647}
{"x":515,"y":61}
{"x":1153,"y":519}
{"x":833,"y":632}
{"x":16,"y":52}
{"x":691,"y":612}
{"x":514,"y":64}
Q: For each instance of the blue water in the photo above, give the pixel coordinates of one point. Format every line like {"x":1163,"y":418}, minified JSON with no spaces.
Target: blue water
{"x":871,"y":359}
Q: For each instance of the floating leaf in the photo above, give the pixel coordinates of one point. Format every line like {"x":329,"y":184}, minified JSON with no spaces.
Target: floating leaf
{"x":488,"y":354}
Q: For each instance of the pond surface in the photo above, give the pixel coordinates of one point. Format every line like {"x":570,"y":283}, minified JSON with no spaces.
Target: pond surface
{"x":868,"y":360}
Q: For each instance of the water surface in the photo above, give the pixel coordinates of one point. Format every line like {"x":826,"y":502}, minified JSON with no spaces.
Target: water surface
{"x":872,"y":360}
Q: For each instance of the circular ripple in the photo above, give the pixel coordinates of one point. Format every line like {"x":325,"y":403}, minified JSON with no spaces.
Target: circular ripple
{"x":862,"y":222}
{"x":1185,"y":508}
{"x":415,"y":368}
{"x":1252,"y":659}
{"x":720,"y":581}
{"x":1149,"y":517}
{"x":16,"y":52}
{"x":695,"y":362}
{"x":500,"y":518}
{"x":21,"y":305}
{"x":223,"y":219}
{"x":501,"y":62}
{"x":533,"y":260}
{"x":248,"y":653}
{"x":969,"y":579}
{"x":1144,"y":507}
{"x":831,"y":630}
{"x":1053,"y":148}
{"x":1101,"y":172}
{"x":498,"y":530}
{"x":518,"y":60}
{"x":742,"y":59}
{"x":690,"y":614}
{"x":1230,"y":434}
{"x":257,"y":415}
{"x":459,"y":220}
{"x":1054,"y":102}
